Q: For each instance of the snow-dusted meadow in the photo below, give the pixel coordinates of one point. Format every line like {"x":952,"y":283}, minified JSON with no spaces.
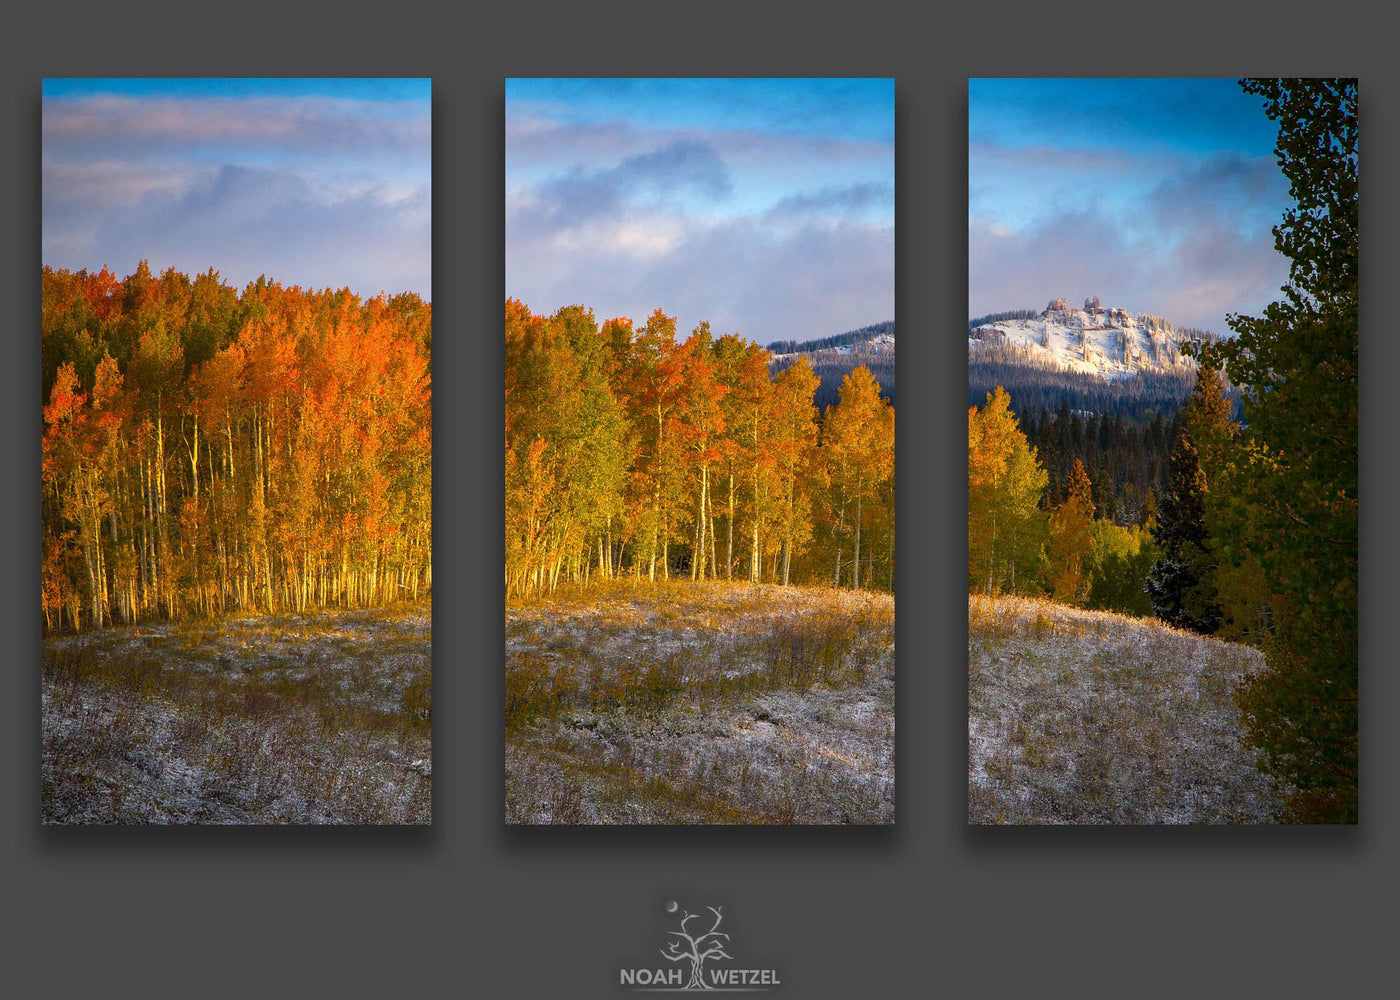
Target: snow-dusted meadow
{"x":1091,"y":717}
{"x":316,"y":718}
{"x":690,"y":703}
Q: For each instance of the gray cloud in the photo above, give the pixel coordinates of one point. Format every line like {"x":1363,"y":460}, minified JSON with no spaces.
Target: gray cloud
{"x":852,"y":199}
{"x":539,"y":139}
{"x":770,"y":236}
{"x":1196,"y":247}
{"x":1193,"y":276}
{"x":744,"y":276}
{"x":144,"y":127}
{"x":581,"y":195}
{"x":76,"y":196}
{"x":1076,"y":159}
{"x":268,"y":221}
{"x":312,"y":191}
{"x":1231,"y":189}
{"x":535,"y":140}
{"x":681,"y":164}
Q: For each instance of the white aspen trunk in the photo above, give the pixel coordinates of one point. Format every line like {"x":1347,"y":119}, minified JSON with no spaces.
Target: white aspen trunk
{"x":991,"y":556}
{"x":840,"y":524}
{"x":194,"y":459}
{"x":152,"y":596}
{"x":710,"y":519}
{"x":891,"y":554}
{"x":702,"y":516}
{"x":117,"y":585}
{"x":729,"y":552}
{"x":162,"y":528}
{"x":787,"y":531}
{"x":656,"y":497}
{"x":89,"y":555}
{"x":697,"y":553}
{"x":855,"y":571}
{"x":104,"y":598}
{"x":755,"y":563}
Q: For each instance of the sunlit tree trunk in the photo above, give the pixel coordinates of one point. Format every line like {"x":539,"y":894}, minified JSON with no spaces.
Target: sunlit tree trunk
{"x":836,"y":541}
{"x":729,"y":548}
{"x":855,"y":559}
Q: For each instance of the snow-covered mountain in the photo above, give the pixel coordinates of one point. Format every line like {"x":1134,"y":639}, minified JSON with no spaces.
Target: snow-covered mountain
{"x":1109,"y":343}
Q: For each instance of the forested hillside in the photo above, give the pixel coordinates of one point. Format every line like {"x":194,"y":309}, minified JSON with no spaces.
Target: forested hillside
{"x":1098,"y":386}
{"x":1039,"y":386}
{"x":1126,"y":462}
{"x":630,"y":452}
{"x":207,"y":450}
{"x":848,"y":339}
{"x":832,"y":358}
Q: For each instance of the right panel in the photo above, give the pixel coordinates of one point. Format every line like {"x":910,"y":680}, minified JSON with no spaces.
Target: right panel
{"x":1162,"y":451}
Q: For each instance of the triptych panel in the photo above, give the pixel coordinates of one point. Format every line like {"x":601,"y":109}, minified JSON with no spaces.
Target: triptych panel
{"x":700,"y":564}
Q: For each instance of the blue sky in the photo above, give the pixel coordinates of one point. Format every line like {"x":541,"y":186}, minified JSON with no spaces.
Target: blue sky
{"x":763,"y":206}
{"x":1157,"y":195}
{"x":315,"y":182}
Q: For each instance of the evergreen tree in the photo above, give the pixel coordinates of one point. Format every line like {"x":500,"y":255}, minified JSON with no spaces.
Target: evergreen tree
{"x":1293,"y":501}
{"x":1206,"y":418}
{"x":1179,"y":583}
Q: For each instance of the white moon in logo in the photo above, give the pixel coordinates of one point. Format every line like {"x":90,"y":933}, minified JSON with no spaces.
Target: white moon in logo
{"x":672,"y":906}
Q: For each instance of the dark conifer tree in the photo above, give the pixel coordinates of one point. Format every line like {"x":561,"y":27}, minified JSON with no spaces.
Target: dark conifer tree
{"x":1294,"y":495}
{"x":1179,"y":584}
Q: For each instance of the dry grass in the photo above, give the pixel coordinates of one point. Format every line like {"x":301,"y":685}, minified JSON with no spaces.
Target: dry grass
{"x":321,"y":718}
{"x":1091,"y":717}
{"x":700,"y":703}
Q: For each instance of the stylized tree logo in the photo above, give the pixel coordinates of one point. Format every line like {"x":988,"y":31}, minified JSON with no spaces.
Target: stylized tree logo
{"x":697,"y":948}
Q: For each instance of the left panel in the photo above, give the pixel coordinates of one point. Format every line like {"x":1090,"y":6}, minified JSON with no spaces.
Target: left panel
{"x":237,"y":457}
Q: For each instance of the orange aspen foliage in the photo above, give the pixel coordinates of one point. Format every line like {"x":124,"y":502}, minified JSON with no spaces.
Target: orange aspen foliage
{"x":207,"y":451}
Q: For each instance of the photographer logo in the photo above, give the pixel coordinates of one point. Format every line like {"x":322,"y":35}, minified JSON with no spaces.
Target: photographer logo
{"x":692,"y":958}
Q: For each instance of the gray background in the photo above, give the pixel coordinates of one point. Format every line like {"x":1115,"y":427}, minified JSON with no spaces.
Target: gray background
{"x":469,"y":907}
